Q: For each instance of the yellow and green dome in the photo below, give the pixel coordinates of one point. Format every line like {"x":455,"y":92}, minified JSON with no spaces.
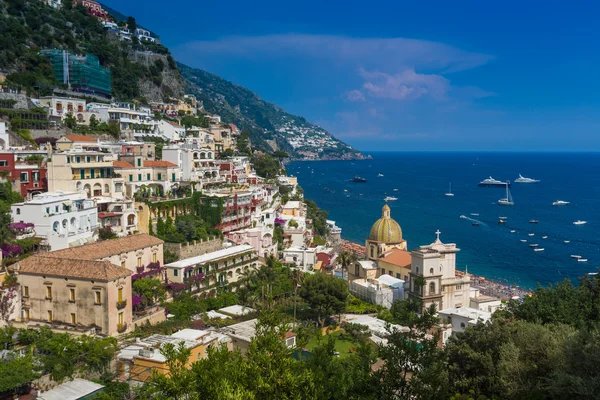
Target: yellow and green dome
{"x":385,"y":229}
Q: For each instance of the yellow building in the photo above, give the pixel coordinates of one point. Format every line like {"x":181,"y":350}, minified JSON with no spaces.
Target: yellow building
{"x":396,"y":263}
{"x":385,"y":235}
{"x":293,"y":209}
{"x":140,"y":360}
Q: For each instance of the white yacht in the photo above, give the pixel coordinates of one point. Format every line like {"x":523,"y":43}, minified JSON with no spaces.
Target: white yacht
{"x":395,"y":190}
{"x":450,"y":194}
{"x":379,"y":175}
{"x":539,"y":249}
{"x":512,"y":231}
{"x":575,"y":256}
{"x":491,"y":182}
{"x":531,"y":234}
{"x":582,"y":260}
{"x":508,"y":200}
{"x":544,"y":237}
{"x":579,"y":222}
{"x":560,"y":203}
{"x":523,"y":240}
{"x":390,"y":198}
{"x":567,"y":241}
{"x":522,"y":179}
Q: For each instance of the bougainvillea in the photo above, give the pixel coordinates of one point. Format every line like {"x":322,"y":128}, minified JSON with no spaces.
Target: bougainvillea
{"x":11,"y":250}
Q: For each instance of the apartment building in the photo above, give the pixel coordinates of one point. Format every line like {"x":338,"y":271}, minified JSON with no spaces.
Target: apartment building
{"x":197,"y":163}
{"x":73,"y":295}
{"x":157,"y":176}
{"x":131,"y":119}
{"x":77,"y":142}
{"x":62,"y":219}
{"x":119,"y":215}
{"x":26,"y":170}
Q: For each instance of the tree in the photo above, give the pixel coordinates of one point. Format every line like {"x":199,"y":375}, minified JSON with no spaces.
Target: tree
{"x":346,"y":259}
{"x":16,"y":372}
{"x":150,"y":289}
{"x":131,"y":24}
{"x":70,"y":121}
{"x":325,"y":294}
{"x":94,"y":122}
{"x":8,"y":298}
{"x":180,"y":382}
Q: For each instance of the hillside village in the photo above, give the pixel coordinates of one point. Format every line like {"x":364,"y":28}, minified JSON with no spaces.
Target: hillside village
{"x":155,"y":245}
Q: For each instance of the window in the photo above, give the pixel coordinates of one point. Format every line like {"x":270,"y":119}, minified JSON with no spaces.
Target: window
{"x":139,"y":261}
{"x":173,"y":177}
{"x":48,"y":292}
{"x":139,"y":177}
{"x":159,"y":176}
{"x":139,"y":160}
{"x":101,"y":172}
{"x":153,"y":257}
{"x":123,"y":264}
{"x":82,"y":173}
{"x":25,"y":291}
{"x":147,"y":177}
{"x":92,"y":173}
{"x":26,"y":314}
{"x":3,"y":163}
{"x":35,"y":176}
{"x":175,"y":272}
{"x":24,"y":177}
{"x":88,"y":159}
{"x":47,"y":210}
{"x":432,"y":288}
{"x":431,"y":271}
{"x":73,"y":319}
{"x":458,"y":287}
{"x":120,"y":295}
{"x":71,"y":294}
{"x":98,"y":297}
{"x":18,"y":211}
{"x":382,"y":271}
{"x":56,"y":208}
{"x":121,"y":318}
{"x":78,"y":159}
{"x":130,"y":178}
{"x":68,"y":160}
{"x":462,"y":324}
{"x":49,"y":316}
{"x":398,"y":276}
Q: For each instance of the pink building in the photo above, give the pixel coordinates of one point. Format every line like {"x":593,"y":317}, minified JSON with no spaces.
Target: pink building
{"x":261,"y":239}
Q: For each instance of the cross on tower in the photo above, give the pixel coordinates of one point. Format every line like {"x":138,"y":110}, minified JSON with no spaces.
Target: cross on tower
{"x":438,"y":234}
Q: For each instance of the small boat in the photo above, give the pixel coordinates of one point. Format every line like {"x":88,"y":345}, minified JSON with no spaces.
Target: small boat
{"x":560,"y":203}
{"x":450,"y":194}
{"x":501,"y":221}
{"x":475,"y":224}
{"x":345,"y":190}
{"x":507,"y":201}
{"x":503,"y":218}
{"x":491,"y":182}
{"x":575,"y":256}
{"x":395,"y":190}
{"x":531,"y":234}
{"x":379,"y":175}
{"x":475,"y":214}
{"x":523,"y":240}
{"x":463,"y":216}
{"x":582,"y":260}
{"x":567,"y":241}
{"x":533,"y":245}
{"x":579,"y":222}
{"x":544,"y":237}
{"x":360,"y":194}
{"x":522,"y":179}
{"x":390,"y":198}
{"x":358,"y":179}
{"x":539,"y":249}
{"x":534,"y":221}
{"x":512,"y":231}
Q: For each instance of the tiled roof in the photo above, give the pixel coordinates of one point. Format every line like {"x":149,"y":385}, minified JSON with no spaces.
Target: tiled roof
{"x":397,"y":257}
{"x":69,"y":268}
{"x":122,"y":164}
{"x":158,"y":163}
{"x":80,"y":138}
{"x":107,"y":248}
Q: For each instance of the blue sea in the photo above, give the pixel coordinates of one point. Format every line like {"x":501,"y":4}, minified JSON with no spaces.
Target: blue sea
{"x":489,"y":249}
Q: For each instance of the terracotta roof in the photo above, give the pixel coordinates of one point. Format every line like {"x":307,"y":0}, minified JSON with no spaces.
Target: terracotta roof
{"x":107,"y":248}
{"x":108,"y":214}
{"x":80,"y":138}
{"x":401,"y":258}
{"x":159,"y":163}
{"x":64,"y":267}
{"x":122,"y":164}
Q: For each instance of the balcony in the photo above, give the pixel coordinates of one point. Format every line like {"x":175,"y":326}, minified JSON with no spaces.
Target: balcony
{"x":121,"y":304}
{"x":121,"y":328}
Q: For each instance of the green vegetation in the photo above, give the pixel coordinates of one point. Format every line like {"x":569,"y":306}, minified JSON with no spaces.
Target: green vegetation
{"x":318,"y":216}
{"x":326,"y":295}
{"x":267,"y":166}
{"x":343,"y":345}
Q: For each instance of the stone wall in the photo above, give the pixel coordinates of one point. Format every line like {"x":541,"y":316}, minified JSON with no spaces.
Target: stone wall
{"x":195,"y":248}
{"x":21,"y":99}
{"x":152,"y":317}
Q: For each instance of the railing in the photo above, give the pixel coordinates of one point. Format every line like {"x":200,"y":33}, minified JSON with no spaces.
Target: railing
{"x":121,"y":304}
{"x":121,"y":327}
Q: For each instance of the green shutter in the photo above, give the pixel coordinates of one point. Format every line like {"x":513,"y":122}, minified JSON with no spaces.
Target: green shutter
{"x":130,"y":178}
{"x":159,"y":177}
{"x":82,"y":173}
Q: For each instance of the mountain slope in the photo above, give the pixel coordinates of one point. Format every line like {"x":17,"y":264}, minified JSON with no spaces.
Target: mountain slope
{"x":269,"y":125}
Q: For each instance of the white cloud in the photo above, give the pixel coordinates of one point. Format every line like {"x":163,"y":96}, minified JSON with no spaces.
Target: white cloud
{"x":355,"y":95}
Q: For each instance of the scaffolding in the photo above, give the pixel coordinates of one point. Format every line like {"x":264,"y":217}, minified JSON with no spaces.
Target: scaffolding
{"x":80,"y":73}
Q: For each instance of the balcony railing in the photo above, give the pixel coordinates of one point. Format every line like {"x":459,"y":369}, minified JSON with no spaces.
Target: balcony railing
{"x":121,"y":327}
{"x":121,"y":304}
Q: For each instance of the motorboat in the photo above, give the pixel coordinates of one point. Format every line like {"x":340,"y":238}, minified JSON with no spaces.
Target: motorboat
{"x":508,"y":200}
{"x":450,"y":194}
{"x":463,"y":216}
{"x":390,"y":198}
{"x":544,"y":237}
{"x":491,"y":182}
{"x":560,"y":203}
{"x":534,"y":221}
{"x":575,"y":256}
{"x":539,"y":249}
{"x":395,"y":190}
{"x":582,"y":260}
{"x":522,"y":179}
{"x":475,"y":214}
{"x":512,"y":231}
{"x":345,"y":190}
{"x":579,"y":222}
{"x":523,"y":240}
{"x":501,"y":221}
{"x":567,"y":241}
{"x":503,"y":218}
{"x":534,"y":245}
{"x":379,"y":175}
{"x":531,"y":234}
{"x":358,"y":179}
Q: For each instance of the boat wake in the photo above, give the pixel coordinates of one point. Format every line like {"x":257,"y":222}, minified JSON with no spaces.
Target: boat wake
{"x":473,"y":220}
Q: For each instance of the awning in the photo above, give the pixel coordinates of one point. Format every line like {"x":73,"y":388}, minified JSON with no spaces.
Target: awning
{"x":67,"y":203}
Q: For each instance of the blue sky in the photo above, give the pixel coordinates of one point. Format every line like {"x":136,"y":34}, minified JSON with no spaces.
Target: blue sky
{"x":466,"y":75}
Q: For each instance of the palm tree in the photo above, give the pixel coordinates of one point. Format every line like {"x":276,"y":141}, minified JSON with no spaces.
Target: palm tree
{"x":345,"y":259}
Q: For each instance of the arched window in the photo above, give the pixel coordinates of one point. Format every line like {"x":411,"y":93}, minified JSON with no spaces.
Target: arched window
{"x":55,"y":226}
{"x":372,"y":251}
{"x":432,"y":288}
{"x":462,"y":324}
{"x":417,"y":270}
{"x":65,"y":223}
{"x":431,"y":271}
{"x":106,"y":188}
{"x":18,"y":211}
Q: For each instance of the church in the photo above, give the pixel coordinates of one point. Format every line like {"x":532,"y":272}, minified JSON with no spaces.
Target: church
{"x":429,"y":271}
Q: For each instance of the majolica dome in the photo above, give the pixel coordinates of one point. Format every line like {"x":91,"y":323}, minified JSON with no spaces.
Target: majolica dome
{"x":385,"y":229}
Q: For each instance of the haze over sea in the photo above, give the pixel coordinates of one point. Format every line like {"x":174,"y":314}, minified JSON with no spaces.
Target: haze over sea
{"x":490,"y":249}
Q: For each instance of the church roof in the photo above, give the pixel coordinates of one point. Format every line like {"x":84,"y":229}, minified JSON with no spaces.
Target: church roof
{"x":386,"y":229}
{"x":401,"y":258}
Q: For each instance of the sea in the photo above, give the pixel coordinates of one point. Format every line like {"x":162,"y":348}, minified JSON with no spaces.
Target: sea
{"x":489,"y":249}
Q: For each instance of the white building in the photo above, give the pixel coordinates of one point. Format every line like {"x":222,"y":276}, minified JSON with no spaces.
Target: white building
{"x":131,"y":119}
{"x":197,"y":164}
{"x":436,"y":264}
{"x":171,"y":131}
{"x":462,"y":317}
{"x":4,"y":142}
{"x":303,"y":257}
{"x":63,"y":219}
{"x":383,"y":291}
